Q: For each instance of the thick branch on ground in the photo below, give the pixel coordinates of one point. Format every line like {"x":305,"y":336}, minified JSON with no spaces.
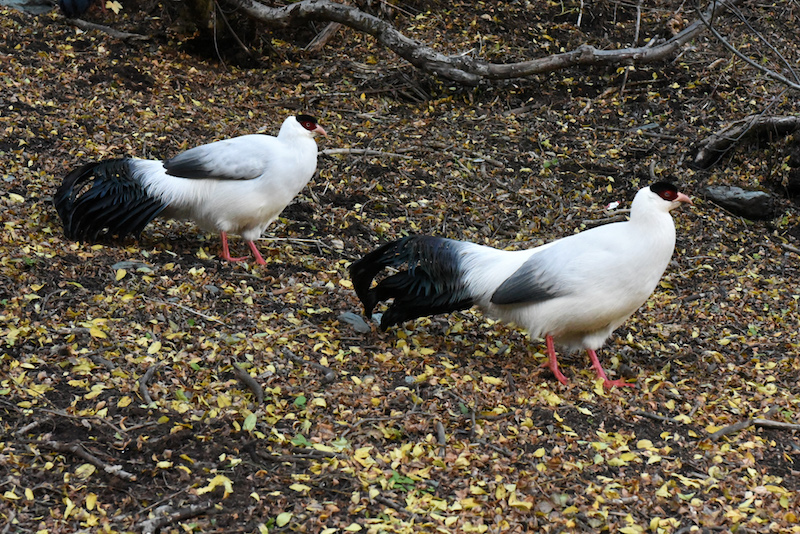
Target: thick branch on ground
{"x":713,"y":148}
{"x":77,"y":449}
{"x":116,"y":34}
{"x":166,"y":515}
{"x":463,"y":68}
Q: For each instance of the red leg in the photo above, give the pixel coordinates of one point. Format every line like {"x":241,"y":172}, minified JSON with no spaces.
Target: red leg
{"x":608,"y":384}
{"x":552,"y":360}
{"x":226,"y":253}
{"x":256,"y":253}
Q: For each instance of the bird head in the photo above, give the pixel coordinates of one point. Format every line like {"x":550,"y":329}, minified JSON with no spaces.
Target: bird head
{"x":667,"y":191}
{"x":310,"y":124}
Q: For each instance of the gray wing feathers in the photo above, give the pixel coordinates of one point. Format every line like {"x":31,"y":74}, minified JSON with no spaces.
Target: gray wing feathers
{"x":532,"y":282}
{"x":241,"y":158}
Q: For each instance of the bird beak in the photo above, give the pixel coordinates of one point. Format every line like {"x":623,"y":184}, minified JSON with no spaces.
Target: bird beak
{"x":320,"y":130}
{"x":685,"y":199}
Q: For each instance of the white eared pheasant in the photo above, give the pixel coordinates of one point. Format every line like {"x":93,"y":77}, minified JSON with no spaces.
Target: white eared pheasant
{"x":237,"y":185}
{"x":574,"y":291}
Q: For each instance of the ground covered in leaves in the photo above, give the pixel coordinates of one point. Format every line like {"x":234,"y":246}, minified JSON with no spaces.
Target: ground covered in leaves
{"x":132,"y":374}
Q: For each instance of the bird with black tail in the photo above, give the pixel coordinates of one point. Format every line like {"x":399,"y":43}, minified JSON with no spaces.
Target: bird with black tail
{"x":574,"y":291}
{"x":237,"y":185}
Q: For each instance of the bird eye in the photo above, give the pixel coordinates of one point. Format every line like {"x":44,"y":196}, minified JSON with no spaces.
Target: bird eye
{"x":308,"y":125}
{"x":665,"y":190}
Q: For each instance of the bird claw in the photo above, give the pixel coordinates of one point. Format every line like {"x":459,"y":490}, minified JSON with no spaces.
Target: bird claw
{"x":556,"y":372}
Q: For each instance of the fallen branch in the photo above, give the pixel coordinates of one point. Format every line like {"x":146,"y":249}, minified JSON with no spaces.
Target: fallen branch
{"x":741,"y":425}
{"x":730,"y":429}
{"x":306,"y":456}
{"x":167,"y":516}
{"x":362,"y":152}
{"x":714,"y":147}
{"x":116,"y":34}
{"x":656,"y":417}
{"x":244,"y":377}
{"x":329,"y":374}
{"x":397,"y":507}
{"x":185,"y":308}
{"x":77,"y":449}
{"x":143,"y":383}
{"x":790,"y":248}
{"x":464,"y":68}
{"x":778,"y":425}
{"x":322,"y":38}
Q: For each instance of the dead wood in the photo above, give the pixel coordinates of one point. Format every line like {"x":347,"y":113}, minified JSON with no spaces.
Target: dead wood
{"x":322,"y":38}
{"x":463,"y":68}
{"x":76,"y":449}
{"x":244,"y":377}
{"x":116,"y":34}
{"x":166,"y":515}
{"x":143,"y":391}
{"x":714,"y":147}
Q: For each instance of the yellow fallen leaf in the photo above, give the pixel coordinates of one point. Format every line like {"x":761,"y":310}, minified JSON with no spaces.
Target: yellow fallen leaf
{"x":283,"y":518}
{"x":214,"y":483}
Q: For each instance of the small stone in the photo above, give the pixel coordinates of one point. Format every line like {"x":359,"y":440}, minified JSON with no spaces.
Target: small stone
{"x":358,"y":322}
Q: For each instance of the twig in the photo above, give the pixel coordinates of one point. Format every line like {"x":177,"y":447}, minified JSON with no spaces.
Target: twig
{"x":245,"y":378}
{"x":143,"y":383}
{"x":233,"y":32}
{"x":167,"y":516}
{"x":78,"y":450}
{"x":779,"y":425}
{"x":329,"y":374}
{"x":304,"y":456}
{"x":395,"y":506}
{"x":185,"y":308}
{"x":116,"y":34}
{"x":441,"y":438}
{"x":656,"y":417}
{"x":362,"y":152}
{"x":790,"y":248}
{"x":767,"y":72}
{"x":730,"y":429}
{"x":30,"y":426}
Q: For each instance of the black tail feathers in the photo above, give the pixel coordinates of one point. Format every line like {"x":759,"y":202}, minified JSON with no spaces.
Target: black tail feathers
{"x":103,"y":200}
{"x":429,"y":282}
{"x":74,"y":8}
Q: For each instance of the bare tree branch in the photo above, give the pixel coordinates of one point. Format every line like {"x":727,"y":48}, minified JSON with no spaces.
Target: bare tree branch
{"x":714,"y":147}
{"x":464,"y":68}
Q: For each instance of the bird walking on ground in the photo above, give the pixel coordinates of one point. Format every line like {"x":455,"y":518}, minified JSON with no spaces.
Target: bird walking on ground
{"x":574,"y":291}
{"x":237,"y":185}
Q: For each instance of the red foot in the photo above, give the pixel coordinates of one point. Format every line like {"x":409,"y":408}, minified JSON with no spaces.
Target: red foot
{"x":552,"y":361}
{"x":608,"y":384}
{"x":226,"y":253}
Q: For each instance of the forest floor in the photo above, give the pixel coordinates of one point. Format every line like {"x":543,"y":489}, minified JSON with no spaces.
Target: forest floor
{"x":447,"y":424}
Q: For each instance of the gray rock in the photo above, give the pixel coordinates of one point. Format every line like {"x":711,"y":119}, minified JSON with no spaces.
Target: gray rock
{"x":358,"y":322}
{"x":754,"y":205}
